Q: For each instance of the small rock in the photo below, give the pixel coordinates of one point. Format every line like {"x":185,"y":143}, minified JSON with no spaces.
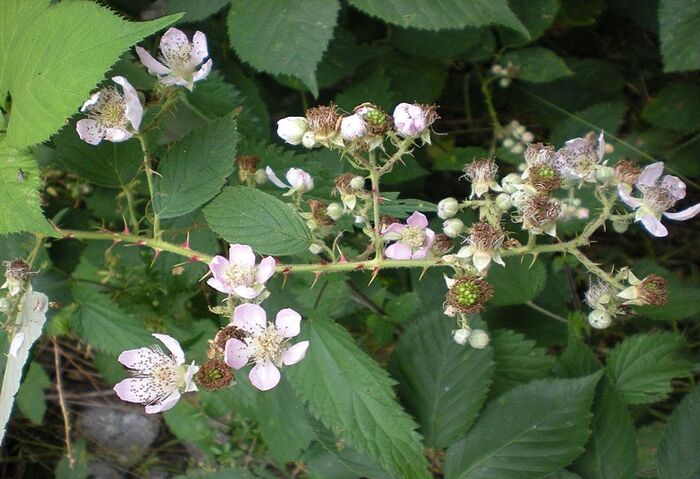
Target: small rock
{"x":100,"y":469}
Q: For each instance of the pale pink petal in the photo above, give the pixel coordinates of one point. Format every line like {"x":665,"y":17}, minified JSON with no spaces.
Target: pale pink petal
{"x":154,"y":66}
{"x":218,"y":266}
{"x":90,"y":131}
{"x":393,"y":228}
{"x":236,"y":353}
{"x":135,"y":390}
{"x":674,"y":186}
{"x":219,"y":285}
{"x":173,"y":346}
{"x":654,"y":226}
{"x":631,"y":201}
{"x":294,"y":354}
{"x":651,"y":173}
{"x":288,"y":323}
{"x":398,"y":251}
{"x":246,"y":292}
{"x":172,"y":42}
{"x":429,"y":238}
{"x":250,"y":318}
{"x":242,"y":255}
{"x":203,"y":72}
{"x":601,"y":145}
{"x":265,"y":270}
{"x":274,"y":179}
{"x":417,"y":220}
{"x":685,"y":214}
{"x":191,"y":370}
{"x":264,"y":376}
{"x":139,"y":359}
{"x":199,"y":48}
{"x":117,"y":135}
{"x":165,"y":404}
{"x":94,"y":98}
{"x":576,"y":143}
{"x":172,"y":80}
{"x":134,"y":110}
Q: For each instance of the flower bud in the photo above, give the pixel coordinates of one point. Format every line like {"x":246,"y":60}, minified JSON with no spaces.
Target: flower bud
{"x":357,"y":183}
{"x":300,"y":180}
{"x":504,"y":82}
{"x":4,"y":305}
{"x":447,"y":208}
{"x":508,"y":143}
{"x":478,"y":339}
{"x":511,"y":183}
{"x":453,"y":227}
{"x":292,"y":128}
{"x":503,"y":202}
{"x":335,"y":211}
{"x":353,"y":127}
{"x":411,"y":120}
{"x":620,"y":226}
{"x":309,"y":140}
{"x":260,"y":177}
{"x":461,"y":335}
{"x":604,"y":173}
{"x":315,"y":248}
{"x":599,"y":319}
{"x":528,"y":137}
{"x":517,"y":149}
{"x":519,"y":198}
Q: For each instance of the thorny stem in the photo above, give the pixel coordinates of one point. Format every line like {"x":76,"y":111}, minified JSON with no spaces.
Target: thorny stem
{"x":130,"y":207}
{"x":488,"y":101}
{"x":149,"y":179}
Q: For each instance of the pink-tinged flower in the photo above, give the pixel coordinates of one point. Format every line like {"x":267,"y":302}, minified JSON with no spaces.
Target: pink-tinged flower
{"x":412,"y":240}
{"x":414,"y":120}
{"x":181,"y":60}
{"x":299,"y":180}
{"x":112,"y":116}
{"x":238,"y":275}
{"x":353,"y":127}
{"x":580,"y":158}
{"x":658,"y":195}
{"x":265,"y":344}
{"x":158,"y":378}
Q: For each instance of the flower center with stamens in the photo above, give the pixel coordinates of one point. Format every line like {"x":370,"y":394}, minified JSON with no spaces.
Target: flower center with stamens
{"x":268,"y":345}
{"x":110,"y":109}
{"x":413,"y":236}
{"x":179,"y":60}
{"x":657,"y":198}
{"x":237,"y":274}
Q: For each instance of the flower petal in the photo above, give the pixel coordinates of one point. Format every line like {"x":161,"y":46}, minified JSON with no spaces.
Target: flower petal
{"x":135,"y":390}
{"x":218,"y":266}
{"x":90,"y":131}
{"x":631,"y":201}
{"x":295,"y":353}
{"x":393,"y":230}
{"x":172,"y":42}
{"x":154,"y":66}
{"x":165,"y":404}
{"x":265,"y":270}
{"x":417,"y":220}
{"x":139,"y":359}
{"x":203,"y":72}
{"x":190,"y":385}
{"x":117,"y":135}
{"x":274,"y":179}
{"x":94,"y":98}
{"x":264,"y":376}
{"x":241,"y":254}
{"x":601,"y":145}
{"x":685,"y":214}
{"x":398,"y":251}
{"x":236,"y":353}
{"x":651,"y":173}
{"x":134,"y":109}
{"x":219,"y":285}
{"x":674,"y":186}
{"x":251,"y":318}
{"x":288,"y":323}
{"x":199,"y":48}
{"x":654,"y":226}
{"x":246,"y":292}
{"x":481,"y":260}
{"x":173,"y":346}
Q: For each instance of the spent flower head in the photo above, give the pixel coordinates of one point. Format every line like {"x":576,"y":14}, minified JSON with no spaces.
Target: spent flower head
{"x":482,"y":174}
{"x":485,"y":241}
{"x":580,"y":158}
{"x":652,"y":290}
{"x":467,"y":294}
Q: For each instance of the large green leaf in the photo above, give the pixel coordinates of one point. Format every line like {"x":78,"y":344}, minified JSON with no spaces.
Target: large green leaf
{"x":678,"y":456}
{"x":444,"y":14}
{"x":443,"y":383}
{"x":611,"y":452}
{"x":679,"y":31}
{"x":352,"y":395}
{"x":249,"y":216}
{"x":19,"y":192}
{"x":195,"y":168}
{"x":528,"y":432}
{"x":518,"y":361}
{"x":642,"y":366}
{"x":676,"y":107}
{"x":101,"y":323}
{"x":519,"y":282}
{"x":49,"y":78}
{"x":536,"y":64}
{"x":31,"y":399}
{"x":283,"y":36}
{"x":188,"y":424}
{"x":108,"y":164}
{"x":536,"y":15}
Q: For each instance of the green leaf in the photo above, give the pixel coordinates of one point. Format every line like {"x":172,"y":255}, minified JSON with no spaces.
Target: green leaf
{"x":518,"y":361}
{"x":445,"y":14}
{"x":19,"y":193}
{"x":50,"y":79}
{"x":642,"y":366}
{"x":195,"y":168}
{"x":195,"y":11}
{"x":374,"y":88}
{"x":536,"y":15}
{"x":455,"y":159}
{"x":519,"y":282}
{"x":443,"y":384}
{"x":608,"y":116}
{"x":611,"y":452}
{"x":432,"y":44}
{"x":224,"y":473}
{"x":283,"y":423}
{"x":676,"y":107}
{"x":249,"y":216}
{"x":679,"y":32}
{"x":528,"y":432}
{"x":577,"y":359}
{"x":283,"y":36}
{"x":678,"y":456}
{"x":79,"y":469}
{"x":352,"y":395}
{"x":189,"y":424}
{"x":108,"y":164}
{"x":648,"y":440}
{"x":101,"y":323}
{"x":31,"y":400}
{"x":536,"y":64}
{"x":574,"y":13}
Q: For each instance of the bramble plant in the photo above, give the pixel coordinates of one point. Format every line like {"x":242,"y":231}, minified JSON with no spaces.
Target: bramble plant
{"x":259,"y":289}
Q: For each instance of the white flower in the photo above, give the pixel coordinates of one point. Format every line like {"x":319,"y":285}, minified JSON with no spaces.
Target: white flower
{"x":447,"y":208}
{"x":299,"y":180}
{"x":181,"y":60}
{"x":657,"y":197}
{"x":353,"y":127}
{"x":580,"y":158}
{"x":158,"y":378}
{"x":238,"y":275}
{"x":112,"y":116}
{"x":265,"y":344}
{"x":292,"y":128}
